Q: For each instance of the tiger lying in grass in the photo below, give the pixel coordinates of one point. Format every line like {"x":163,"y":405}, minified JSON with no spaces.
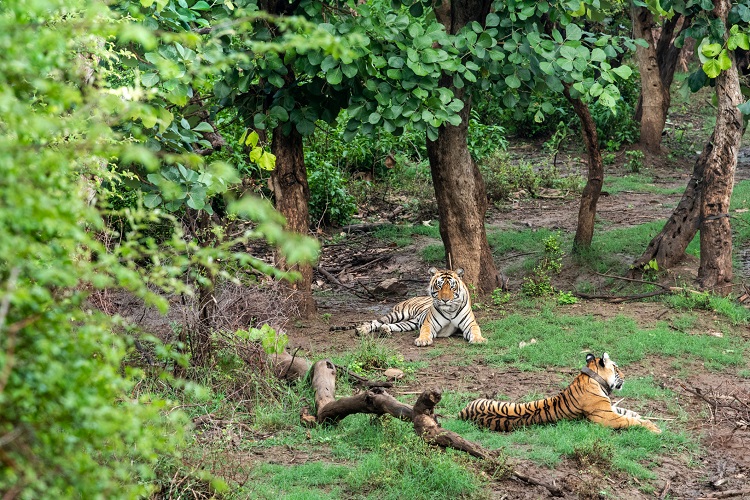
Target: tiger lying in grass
{"x":445,"y":311}
{"x":587,"y":396}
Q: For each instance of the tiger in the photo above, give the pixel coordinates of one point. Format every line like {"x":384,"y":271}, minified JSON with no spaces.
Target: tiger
{"x":446,"y":310}
{"x":587,"y":396}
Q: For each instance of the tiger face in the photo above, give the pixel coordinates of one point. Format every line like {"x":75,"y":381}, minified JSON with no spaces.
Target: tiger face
{"x":446,"y":289}
{"x":606,"y":369}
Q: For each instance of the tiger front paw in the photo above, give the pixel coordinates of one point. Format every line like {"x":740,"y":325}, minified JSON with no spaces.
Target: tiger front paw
{"x":384,"y":331}
{"x":421,"y":342}
{"x":477,"y":339}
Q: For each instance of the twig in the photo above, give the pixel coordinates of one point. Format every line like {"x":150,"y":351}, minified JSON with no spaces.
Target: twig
{"x":369,"y":263}
{"x":553,"y":490}
{"x":726,"y":494}
{"x":294,"y":355}
{"x":336,"y":282}
{"x":665,"y":490}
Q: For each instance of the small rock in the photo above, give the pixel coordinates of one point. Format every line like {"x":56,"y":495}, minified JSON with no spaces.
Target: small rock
{"x":391,"y":286}
{"x":393,"y":374}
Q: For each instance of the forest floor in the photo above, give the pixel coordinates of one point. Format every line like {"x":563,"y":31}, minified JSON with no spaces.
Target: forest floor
{"x":722,"y":466}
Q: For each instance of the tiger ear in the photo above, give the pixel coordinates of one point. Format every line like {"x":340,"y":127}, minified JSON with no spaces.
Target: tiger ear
{"x":460,"y":271}
{"x":432,"y":270}
{"x":604,"y":359}
{"x":589,"y":358}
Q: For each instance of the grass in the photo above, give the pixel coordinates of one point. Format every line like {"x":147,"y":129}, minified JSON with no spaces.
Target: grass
{"x":640,"y":182}
{"x":562,"y":340}
{"x":403,"y":235}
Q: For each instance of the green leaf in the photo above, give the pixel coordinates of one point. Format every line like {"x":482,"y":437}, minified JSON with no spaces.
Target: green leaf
{"x":267,"y":161}
{"x":201,"y":5}
{"x":374,"y":117}
{"x":152,"y":200}
{"x":712,"y":68}
{"x":573,"y":32}
{"x":512,"y":81}
{"x":623,"y":71}
{"x":598,"y":55}
{"x":724,"y":61}
{"x":744,"y":108}
{"x":711,"y":49}
{"x":335,"y":76}
{"x":203,"y":127}
{"x":149,"y":79}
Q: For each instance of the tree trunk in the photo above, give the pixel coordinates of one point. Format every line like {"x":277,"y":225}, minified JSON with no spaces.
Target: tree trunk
{"x":462,"y":204}
{"x":593,"y":188}
{"x":652,"y":91}
{"x":201,"y":346}
{"x":459,"y":187}
{"x":657,"y":64}
{"x":292,"y":194}
{"x":668,"y":247}
{"x":715,"y":271}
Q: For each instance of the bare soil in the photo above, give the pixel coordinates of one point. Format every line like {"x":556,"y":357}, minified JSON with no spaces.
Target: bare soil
{"x":722,"y":469}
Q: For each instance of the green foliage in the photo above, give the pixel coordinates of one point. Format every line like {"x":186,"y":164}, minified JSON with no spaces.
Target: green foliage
{"x":566,"y":298}
{"x":504,"y":178}
{"x":735,"y":313}
{"x":634,"y":161}
{"x":371,"y":355}
{"x":539,"y":283}
{"x":485,"y":140}
{"x":71,"y":425}
{"x":272,"y":341}
{"x":330,"y":202}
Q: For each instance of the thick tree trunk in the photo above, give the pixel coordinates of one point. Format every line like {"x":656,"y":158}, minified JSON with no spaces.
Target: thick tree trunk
{"x":657,"y":64}
{"x":652,"y":91}
{"x":715,"y":271}
{"x":292,"y":194}
{"x":593,"y":188}
{"x":459,"y":187}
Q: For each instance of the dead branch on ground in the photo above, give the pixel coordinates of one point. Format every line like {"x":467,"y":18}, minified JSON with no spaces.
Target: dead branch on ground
{"x":378,"y":402}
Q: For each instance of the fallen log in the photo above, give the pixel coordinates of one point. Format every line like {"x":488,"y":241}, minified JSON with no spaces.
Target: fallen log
{"x":289,"y":367}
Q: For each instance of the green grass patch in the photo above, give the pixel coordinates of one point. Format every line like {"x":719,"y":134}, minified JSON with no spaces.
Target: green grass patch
{"x":724,"y":306}
{"x":633,"y":451}
{"x":562,"y":340}
{"x":641,"y":182}
{"x":433,"y":254}
{"x":403,"y":235}
{"x":528,"y":240}
{"x":375,"y":458}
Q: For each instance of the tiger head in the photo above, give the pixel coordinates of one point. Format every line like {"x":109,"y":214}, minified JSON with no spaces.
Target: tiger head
{"x":447,"y":289}
{"x":606,"y":369}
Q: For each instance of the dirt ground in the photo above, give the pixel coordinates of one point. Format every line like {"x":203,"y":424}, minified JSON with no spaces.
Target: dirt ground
{"x":723,"y":468}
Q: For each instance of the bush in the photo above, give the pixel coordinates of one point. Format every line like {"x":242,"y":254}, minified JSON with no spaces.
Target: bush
{"x":330,"y":202}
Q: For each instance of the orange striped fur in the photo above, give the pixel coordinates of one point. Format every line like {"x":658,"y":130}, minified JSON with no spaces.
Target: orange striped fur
{"x":584,"y":398}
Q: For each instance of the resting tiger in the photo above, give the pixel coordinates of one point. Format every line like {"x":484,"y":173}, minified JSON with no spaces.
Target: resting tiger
{"x":587,"y":396}
{"x":446,"y":310}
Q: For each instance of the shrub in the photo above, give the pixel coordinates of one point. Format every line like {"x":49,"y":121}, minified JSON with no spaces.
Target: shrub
{"x":330,"y":202}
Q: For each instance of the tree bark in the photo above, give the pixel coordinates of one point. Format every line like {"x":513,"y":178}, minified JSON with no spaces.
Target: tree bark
{"x":459,"y":187}
{"x":715,"y":271}
{"x":292,"y":194}
{"x":593,"y":188}
{"x":657,"y":64}
{"x":668,"y":247}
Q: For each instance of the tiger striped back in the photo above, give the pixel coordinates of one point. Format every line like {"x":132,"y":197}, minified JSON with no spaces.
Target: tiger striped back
{"x":586,"y":397}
